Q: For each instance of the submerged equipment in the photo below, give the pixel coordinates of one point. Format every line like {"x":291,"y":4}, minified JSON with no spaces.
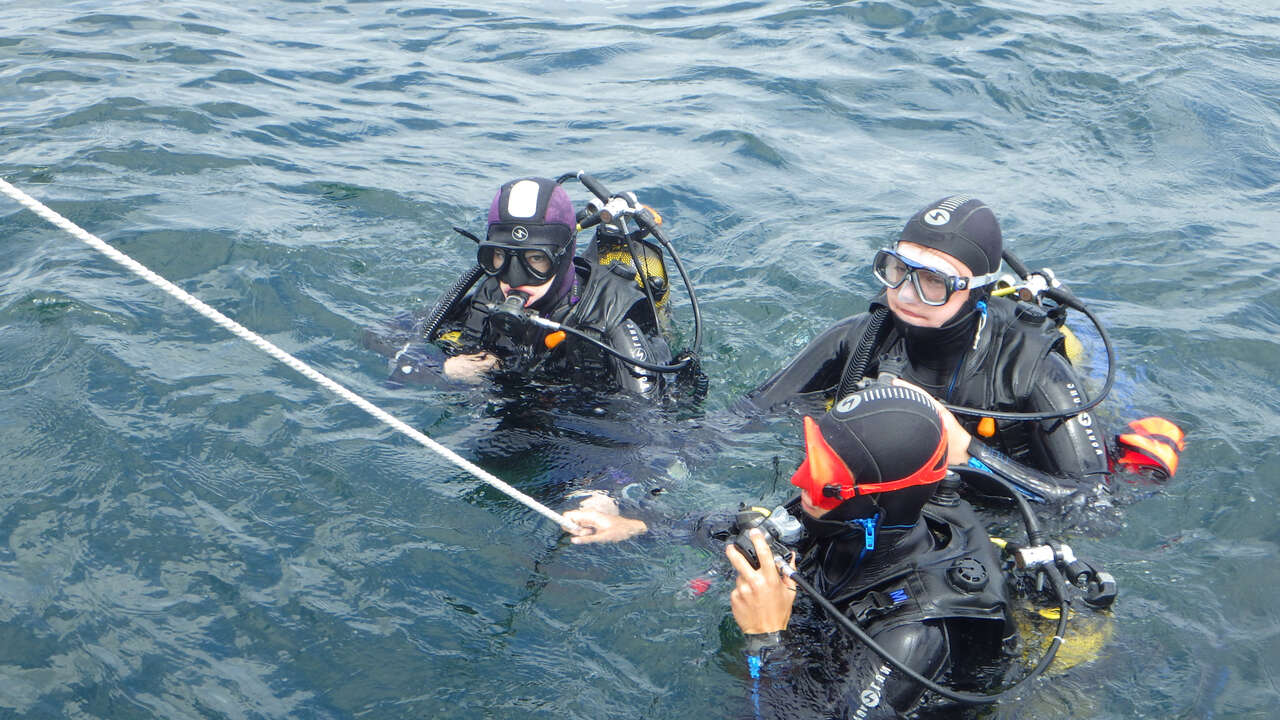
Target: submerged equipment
{"x":274,"y":351}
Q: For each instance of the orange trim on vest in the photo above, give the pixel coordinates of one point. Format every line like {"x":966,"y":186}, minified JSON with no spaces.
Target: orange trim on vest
{"x":987,"y":427}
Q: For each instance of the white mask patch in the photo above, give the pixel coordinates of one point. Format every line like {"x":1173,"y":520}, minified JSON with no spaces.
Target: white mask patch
{"x":523,"y":199}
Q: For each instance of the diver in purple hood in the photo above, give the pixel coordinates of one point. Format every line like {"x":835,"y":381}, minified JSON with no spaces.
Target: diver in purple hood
{"x":498,"y":321}
{"x":528,"y":249}
{"x":531,"y":312}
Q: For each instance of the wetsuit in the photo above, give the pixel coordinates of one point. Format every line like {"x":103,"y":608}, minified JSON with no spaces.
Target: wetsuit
{"x":931,"y":593}
{"x":605,"y":302}
{"x":1000,"y":355}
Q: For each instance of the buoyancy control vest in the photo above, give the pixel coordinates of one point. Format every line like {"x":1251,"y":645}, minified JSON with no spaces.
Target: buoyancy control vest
{"x":998,"y":367}
{"x":944,"y":567}
{"x":995,"y":368}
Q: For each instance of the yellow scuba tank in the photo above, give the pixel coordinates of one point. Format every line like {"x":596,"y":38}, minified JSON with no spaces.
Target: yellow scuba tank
{"x":1091,"y":628}
{"x":1072,"y":345}
{"x":1090,"y":631}
{"x":610,"y":246}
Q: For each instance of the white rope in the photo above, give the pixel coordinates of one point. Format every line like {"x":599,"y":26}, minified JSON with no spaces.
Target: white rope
{"x":266,"y":346}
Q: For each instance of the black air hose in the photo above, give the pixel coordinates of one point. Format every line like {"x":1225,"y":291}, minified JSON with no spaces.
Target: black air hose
{"x":857,"y":367}
{"x":448,"y":301}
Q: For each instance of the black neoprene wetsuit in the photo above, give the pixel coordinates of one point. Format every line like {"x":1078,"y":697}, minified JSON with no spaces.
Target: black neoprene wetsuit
{"x":904,"y":594}
{"x":1006,"y":356}
{"x":604,"y":302}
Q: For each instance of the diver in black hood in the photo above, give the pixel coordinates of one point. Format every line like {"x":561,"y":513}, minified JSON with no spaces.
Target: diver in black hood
{"x":938,"y":326}
{"x":912,"y":566}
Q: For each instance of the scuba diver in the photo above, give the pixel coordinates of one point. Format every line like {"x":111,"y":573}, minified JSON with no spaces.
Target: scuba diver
{"x":984,"y":345}
{"x":882,"y":542}
{"x":532,"y":313}
{"x":532,"y":309}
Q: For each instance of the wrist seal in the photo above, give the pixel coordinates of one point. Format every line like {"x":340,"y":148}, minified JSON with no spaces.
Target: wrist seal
{"x":758,"y":643}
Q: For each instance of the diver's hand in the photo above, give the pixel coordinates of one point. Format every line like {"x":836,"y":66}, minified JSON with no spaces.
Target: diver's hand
{"x":762,"y":599}
{"x":958,"y":438}
{"x":600,"y":527}
{"x":470,"y":368}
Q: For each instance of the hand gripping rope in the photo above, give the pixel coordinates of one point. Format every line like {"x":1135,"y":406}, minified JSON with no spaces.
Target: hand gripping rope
{"x":266,"y":346}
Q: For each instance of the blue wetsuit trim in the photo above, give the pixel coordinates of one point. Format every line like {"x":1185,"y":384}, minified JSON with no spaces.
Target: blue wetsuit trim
{"x":979,"y":465}
{"x":868,"y":535}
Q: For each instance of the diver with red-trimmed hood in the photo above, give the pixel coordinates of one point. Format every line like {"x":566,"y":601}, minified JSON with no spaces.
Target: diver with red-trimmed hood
{"x":532,"y":310}
{"x":912,"y":566}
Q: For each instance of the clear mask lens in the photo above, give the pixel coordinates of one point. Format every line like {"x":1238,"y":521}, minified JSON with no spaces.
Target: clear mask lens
{"x":931,"y":286}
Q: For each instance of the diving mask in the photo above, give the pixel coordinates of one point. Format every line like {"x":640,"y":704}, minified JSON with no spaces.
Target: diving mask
{"x":932,"y":286}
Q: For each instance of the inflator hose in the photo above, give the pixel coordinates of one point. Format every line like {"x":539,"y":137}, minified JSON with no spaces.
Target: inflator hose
{"x":871,"y":338}
{"x":448,"y":301}
{"x":1064,"y":297}
{"x":645,"y":220}
{"x":1018,"y":266}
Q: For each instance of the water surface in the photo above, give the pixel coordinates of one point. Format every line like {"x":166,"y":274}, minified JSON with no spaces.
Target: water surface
{"x":189,"y":529}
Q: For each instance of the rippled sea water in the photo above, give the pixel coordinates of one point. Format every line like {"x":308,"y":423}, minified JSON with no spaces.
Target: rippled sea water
{"x":188,"y":529}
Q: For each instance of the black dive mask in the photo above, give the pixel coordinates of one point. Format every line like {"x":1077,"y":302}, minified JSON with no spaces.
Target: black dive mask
{"x":520,"y":266}
{"x":524,"y":254}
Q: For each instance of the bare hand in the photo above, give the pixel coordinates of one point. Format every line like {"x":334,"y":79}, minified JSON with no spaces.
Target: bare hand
{"x":958,"y":438}
{"x":470,"y":368}
{"x":598,"y":527}
{"x":762,"y":599}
